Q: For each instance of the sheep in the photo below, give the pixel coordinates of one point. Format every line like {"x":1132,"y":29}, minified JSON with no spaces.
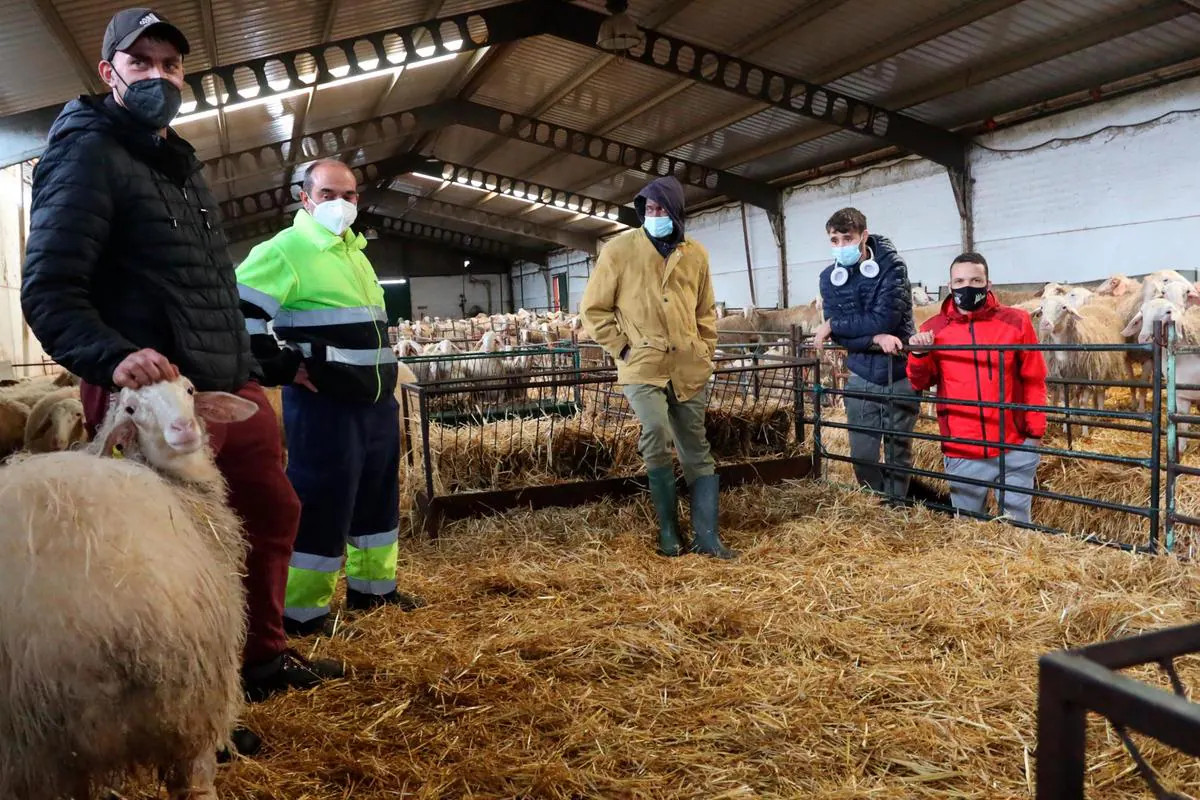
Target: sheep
{"x":920,"y":297}
{"x":808,"y":317}
{"x":1090,"y":324}
{"x":29,"y":390}
{"x":55,"y":422}
{"x":1187,"y":330}
{"x":1119,"y":285}
{"x":1077,"y":296}
{"x":13,"y":416}
{"x":121,"y":605}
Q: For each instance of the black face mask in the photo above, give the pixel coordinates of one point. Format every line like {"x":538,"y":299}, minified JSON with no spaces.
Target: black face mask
{"x":970,"y":298}
{"x":154,"y":102}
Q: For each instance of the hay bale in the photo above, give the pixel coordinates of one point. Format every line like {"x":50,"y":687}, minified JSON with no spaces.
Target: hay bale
{"x":853,"y":651}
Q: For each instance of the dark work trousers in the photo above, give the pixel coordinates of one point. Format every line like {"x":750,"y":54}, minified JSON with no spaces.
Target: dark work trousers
{"x":250,"y":456}
{"x":344,"y":461}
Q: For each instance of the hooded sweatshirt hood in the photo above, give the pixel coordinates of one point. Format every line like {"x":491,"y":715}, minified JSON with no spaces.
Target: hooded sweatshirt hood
{"x":668,"y":193}
{"x":172,"y":156}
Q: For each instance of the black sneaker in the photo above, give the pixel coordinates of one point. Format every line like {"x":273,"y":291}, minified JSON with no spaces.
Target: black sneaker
{"x":361,"y":601}
{"x":245,"y":742}
{"x":288,"y":670}
{"x":323,"y":625}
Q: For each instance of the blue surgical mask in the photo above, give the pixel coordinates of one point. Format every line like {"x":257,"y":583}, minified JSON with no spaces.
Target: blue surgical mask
{"x":847,"y":256}
{"x":659,"y":227}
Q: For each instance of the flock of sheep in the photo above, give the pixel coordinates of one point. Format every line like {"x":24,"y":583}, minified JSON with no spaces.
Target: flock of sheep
{"x":40,"y":415}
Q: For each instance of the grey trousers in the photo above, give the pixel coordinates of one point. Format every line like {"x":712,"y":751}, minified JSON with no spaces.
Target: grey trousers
{"x":1019,"y":471}
{"x":897,"y":411}
{"x":664,"y":419}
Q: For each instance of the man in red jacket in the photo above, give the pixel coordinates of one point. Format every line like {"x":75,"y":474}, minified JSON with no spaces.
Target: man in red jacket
{"x":973,"y":316}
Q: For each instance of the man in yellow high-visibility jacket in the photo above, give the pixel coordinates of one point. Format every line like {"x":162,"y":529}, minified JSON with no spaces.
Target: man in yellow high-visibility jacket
{"x":340,"y":415}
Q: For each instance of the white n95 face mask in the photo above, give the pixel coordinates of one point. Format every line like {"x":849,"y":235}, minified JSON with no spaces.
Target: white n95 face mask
{"x":335,"y":215}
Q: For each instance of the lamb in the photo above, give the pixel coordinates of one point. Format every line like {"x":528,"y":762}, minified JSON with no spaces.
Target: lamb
{"x":1090,"y":324}
{"x":121,"y":606}
{"x":55,"y":422}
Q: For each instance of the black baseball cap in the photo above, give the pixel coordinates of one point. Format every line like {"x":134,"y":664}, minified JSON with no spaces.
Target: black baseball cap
{"x":127,"y":26}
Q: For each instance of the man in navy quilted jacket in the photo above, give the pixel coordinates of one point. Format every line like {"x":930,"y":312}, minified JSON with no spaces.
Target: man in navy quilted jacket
{"x":868,"y":310}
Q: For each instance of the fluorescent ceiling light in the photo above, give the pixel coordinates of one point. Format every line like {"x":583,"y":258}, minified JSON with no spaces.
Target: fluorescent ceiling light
{"x":393,"y":281}
{"x":439,"y":179}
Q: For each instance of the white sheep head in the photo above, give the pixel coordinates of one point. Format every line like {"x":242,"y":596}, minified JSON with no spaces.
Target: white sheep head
{"x":165,"y":421}
{"x":1156,"y":283}
{"x":1117,"y":285}
{"x":1077,"y":296}
{"x":1053,"y":289}
{"x":1142,"y":323}
{"x":1181,"y":294}
{"x":1057,"y":315}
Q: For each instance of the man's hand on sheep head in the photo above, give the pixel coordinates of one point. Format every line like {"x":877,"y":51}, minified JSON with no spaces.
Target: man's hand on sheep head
{"x":144,"y":368}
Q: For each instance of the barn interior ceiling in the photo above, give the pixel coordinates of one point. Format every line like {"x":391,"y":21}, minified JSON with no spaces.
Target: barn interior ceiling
{"x":510,"y":130}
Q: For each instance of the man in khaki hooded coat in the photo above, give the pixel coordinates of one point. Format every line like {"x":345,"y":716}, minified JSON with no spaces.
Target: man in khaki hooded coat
{"x":649,"y":303}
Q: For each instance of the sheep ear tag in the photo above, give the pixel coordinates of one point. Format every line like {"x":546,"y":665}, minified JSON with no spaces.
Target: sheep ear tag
{"x":869,"y":268}
{"x":839,"y":276}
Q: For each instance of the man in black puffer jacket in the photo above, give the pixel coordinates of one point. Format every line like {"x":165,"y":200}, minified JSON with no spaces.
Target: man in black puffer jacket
{"x":128,"y":281}
{"x":868,"y":310}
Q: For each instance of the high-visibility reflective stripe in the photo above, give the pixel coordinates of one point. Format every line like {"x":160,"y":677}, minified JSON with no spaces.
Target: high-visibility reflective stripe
{"x":357,"y":358}
{"x":375,"y":539}
{"x":372,"y":564}
{"x":306,"y":614}
{"x":309,"y":592}
{"x":316,"y":563}
{"x":371,"y":587}
{"x":318,"y":317}
{"x":256,"y":326}
{"x":261,"y":299}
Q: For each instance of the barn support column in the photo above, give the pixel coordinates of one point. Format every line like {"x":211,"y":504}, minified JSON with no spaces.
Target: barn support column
{"x":780,"y":230}
{"x":964,"y":197}
{"x":749,"y":260}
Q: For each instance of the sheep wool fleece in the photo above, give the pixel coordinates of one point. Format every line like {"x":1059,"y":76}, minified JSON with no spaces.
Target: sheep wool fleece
{"x":344,"y":439}
{"x":249,"y":455}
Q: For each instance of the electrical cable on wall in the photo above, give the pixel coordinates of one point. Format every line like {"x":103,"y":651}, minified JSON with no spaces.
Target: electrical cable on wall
{"x":1063,"y":139}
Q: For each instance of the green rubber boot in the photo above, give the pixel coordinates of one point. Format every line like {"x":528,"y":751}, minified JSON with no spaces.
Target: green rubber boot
{"x":662,"y":493}
{"x":705,"y":494}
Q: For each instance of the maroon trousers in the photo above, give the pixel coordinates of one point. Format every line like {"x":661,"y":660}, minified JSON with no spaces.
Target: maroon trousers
{"x":250,"y":456}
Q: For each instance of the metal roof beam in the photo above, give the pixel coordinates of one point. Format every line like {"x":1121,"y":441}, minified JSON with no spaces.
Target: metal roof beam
{"x":528,"y":129}
{"x":1147,"y":16}
{"x":750,"y":45}
{"x":22,"y":136}
{"x":808,"y":99}
{"x":460,"y":174}
{"x":401,"y":229}
{"x":599,"y":148}
{"x":876,"y":53}
{"x":556,"y":95}
{"x":400,"y":202}
{"x":383,"y":172}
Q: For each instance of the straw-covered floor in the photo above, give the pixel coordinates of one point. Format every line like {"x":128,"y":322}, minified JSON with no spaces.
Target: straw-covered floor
{"x":852,"y":652}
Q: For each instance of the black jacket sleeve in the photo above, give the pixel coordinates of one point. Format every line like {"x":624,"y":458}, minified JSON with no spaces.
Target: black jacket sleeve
{"x":278,"y":364}
{"x":70,"y":221}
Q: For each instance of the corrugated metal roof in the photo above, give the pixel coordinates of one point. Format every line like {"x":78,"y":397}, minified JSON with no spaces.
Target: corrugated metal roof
{"x":685,"y":113}
{"x":253,"y":28}
{"x":532,"y":69}
{"x":721,"y":24}
{"x":1143,"y":51}
{"x":38,"y":71}
{"x":613,"y":91}
{"x":366,"y":16}
{"x":87,"y":19}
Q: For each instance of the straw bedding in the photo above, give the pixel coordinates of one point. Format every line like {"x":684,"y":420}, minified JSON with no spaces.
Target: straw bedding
{"x":510,"y":453}
{"x":854,"y":651}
